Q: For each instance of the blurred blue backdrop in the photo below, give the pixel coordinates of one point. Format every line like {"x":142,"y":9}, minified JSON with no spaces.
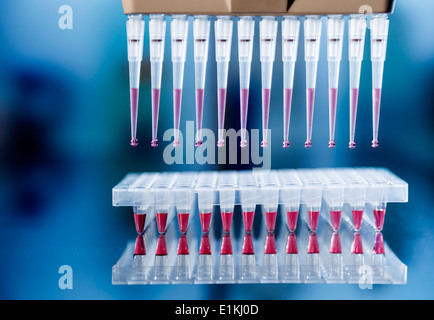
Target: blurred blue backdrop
{"x":64,"y":143}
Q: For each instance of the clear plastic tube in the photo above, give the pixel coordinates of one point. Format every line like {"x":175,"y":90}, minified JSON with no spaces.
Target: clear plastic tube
{"x":312,"y":37}
{"x":223,"y":41}
{"x":335,"y":35}
{"x":157,"y":34}
{"x":290,"y":34}
{"x":379,"y":35}
{"x":268,"y":34}
{"x":356,"y":44}
{"x":246,"y":30}
{"x":201,"y":27}
{"x":135,"y":34}
{"x":179,"y":33}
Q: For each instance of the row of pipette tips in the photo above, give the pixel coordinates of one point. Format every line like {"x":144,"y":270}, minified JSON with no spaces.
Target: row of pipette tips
{"x":268,"y":26}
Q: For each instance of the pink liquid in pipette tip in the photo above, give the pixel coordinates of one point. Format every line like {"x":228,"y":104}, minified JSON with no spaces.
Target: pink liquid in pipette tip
{"x":139,"y":221}
{"x":182,"y":245}
{"x":354,"y":96}
{"x":226,"y":245}
{"x":205,"y":246}
{"x":378,"y":244}
{"x":356,"y":245}
{"x":265,"y":115}
{"x":376,"y":94}
{"x":244,"y":99}
{"x":336,"y":216}
{"x":177,"y":99}
{"x":379,"y":215}
{"x":287,"y":99}
{"x":155,"y":111}
{"x":161,"y":246}
{"x":270,"y":219}
{"x":205,"y":221}
{"x":313,"y":246}
{"x":199,"y":115}
{"x":335,"y":243}
{"x":161,"y":222}
{"x":270,"y":244}
{"x":134,"y":105}
{"x":333,"y":98}
{"x":291,"y":245}
{"x":313,"y":220}
{"x":183,"y":222}
{"x":248,"y":217}
{"x":139,"y":248}
{"x":292,"y":217}
{"x":227,"y":221}
{"x":309,"y":115}
{"x":248,"y":244}
{"x":357,"y":219}
{"x":221,"y":101}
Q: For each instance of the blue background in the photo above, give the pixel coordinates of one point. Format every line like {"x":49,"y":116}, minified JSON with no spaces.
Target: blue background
{"x":64,"y":143}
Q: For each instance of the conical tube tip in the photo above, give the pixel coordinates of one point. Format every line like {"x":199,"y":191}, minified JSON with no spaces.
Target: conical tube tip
{"x":134,"y":142}
{"x":332,"y":144}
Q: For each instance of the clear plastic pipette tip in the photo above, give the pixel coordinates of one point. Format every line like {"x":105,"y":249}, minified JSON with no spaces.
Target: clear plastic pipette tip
{"x":290,"y":34}
{"x":335,"y":35}
{"x":356,"y":44}
{"x":201,"y":27}
{"x":157,"y":34}
{"x":179,"y":33}
{"x":312,"y":36}
{"x":135,"y":34}
{"x":267,"y":34}
{"x":379,"y":35}
{"x":223,"y":43}
{"x":246,"y":28}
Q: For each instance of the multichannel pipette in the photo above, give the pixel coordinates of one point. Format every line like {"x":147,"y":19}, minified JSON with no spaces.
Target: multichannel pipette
{"x":267,"y":38}
{"x":379,"y":35}
{"x":201,"y":27}
{"x":335,"y":35}
{"x":157,"y":35}
{"x":223,"y":43}
{"x":290,"y":32}
{"x":267,"y":14}
{"x":246,"y":29}
{"x":356,"y":45}
{"x":135,"y":34}
{"x":312,"y":37}
{"x":179,"y":33}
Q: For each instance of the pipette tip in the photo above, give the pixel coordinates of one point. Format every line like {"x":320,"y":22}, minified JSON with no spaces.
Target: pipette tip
{"x":176,"y":143}
{"x":134,"y":142}
{"x":264,"y":143}
{"x":332,"y":144}
{"x":154,"y":143}
{"x":375,"y":143}
{"x":352,"y":144}
{"x":243,"y":143}
{"x":286,"y":144}
{"x":220,"y":143}
{"x":308,"y":144}
{"x":198,"y":143}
